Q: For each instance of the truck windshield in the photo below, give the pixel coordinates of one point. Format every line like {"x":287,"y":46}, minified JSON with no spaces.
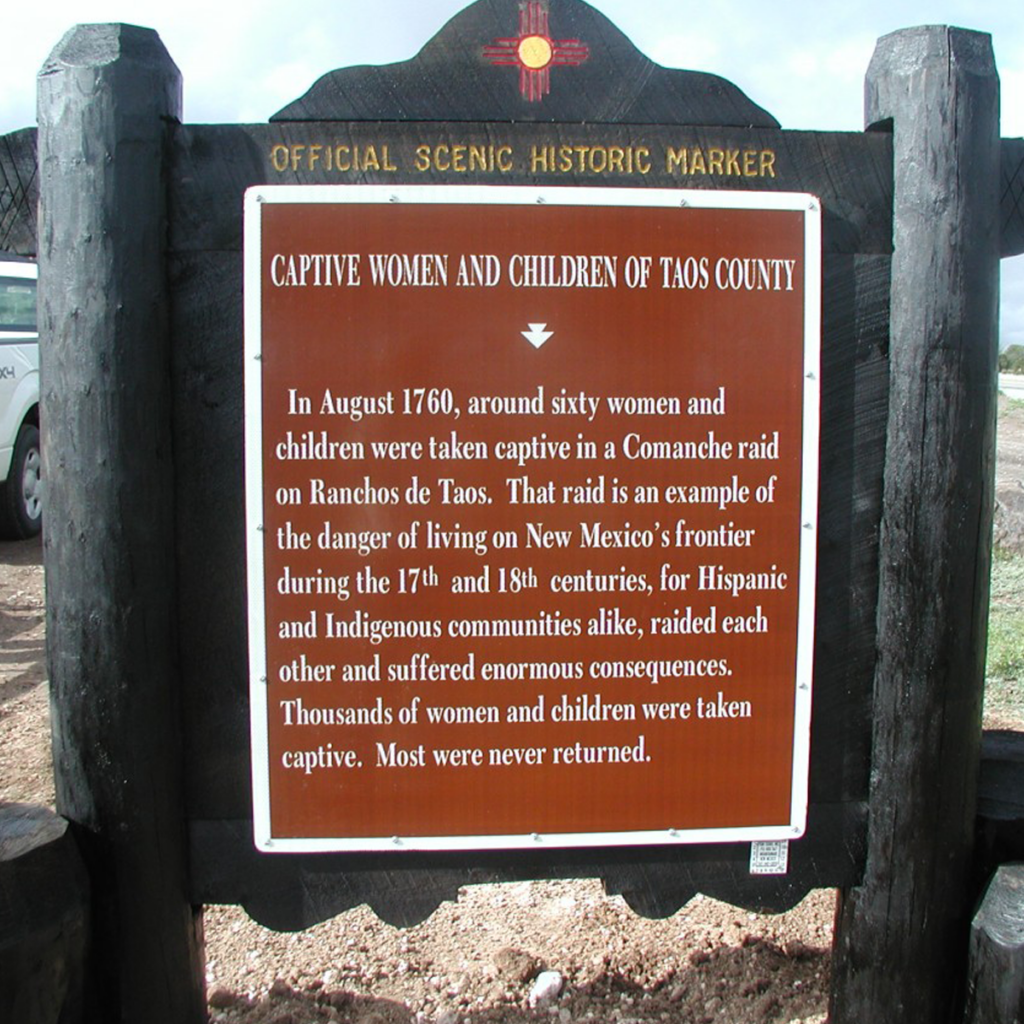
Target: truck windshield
{"x":18,"y":304}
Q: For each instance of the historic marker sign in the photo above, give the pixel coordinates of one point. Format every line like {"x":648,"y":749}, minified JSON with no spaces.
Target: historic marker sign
{"x":532,"y":486}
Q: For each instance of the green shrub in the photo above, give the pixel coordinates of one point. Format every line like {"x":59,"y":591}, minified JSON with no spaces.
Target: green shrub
{"x":1011,"y":360}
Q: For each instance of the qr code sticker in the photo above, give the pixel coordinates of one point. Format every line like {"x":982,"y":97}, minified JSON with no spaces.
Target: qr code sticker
{"x":769,"y":858}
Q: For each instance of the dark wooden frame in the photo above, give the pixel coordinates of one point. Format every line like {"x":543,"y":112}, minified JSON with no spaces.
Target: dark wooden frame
{"x":849,"y":173}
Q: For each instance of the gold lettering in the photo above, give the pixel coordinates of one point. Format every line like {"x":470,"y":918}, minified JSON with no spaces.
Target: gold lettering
{"x":442,"y":158}
{"x":463,"y":158}
{"x":337,"y":157}
{"x":486,"y":158}
{"x":585,"y":159}
{"x":279,"y":158}
{"x":747,"y":163}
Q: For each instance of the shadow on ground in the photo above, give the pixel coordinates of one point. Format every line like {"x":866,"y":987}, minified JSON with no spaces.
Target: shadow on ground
{"x":22,"y":619}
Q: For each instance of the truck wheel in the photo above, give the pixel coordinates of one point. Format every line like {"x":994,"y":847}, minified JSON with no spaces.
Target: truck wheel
{"x":21,"y":495}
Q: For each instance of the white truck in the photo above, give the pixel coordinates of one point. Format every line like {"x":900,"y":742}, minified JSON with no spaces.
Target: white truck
{"x":21,"y":483}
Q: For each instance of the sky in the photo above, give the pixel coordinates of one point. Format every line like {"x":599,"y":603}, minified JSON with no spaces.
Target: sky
{"x":804,"y":62}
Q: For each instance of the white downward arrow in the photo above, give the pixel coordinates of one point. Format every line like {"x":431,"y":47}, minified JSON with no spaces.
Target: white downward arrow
{"x":536,"y":335}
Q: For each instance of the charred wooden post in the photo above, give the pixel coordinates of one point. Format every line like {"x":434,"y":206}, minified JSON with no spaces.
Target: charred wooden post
{"x":902,"y":933}
{"x":995,"y":990}
{"x":105,"y":95}
{"x":44,"y":918}
{"x":1000,"y":832}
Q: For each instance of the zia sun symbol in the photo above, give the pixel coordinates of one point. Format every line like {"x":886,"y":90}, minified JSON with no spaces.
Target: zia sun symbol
{"x":534,"y":52}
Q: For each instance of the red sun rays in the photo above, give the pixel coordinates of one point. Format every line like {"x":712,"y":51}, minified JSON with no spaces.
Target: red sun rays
{"x":534,"y":52}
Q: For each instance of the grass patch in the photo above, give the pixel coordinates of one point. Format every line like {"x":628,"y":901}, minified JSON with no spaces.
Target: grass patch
{"x":1004,"y":682}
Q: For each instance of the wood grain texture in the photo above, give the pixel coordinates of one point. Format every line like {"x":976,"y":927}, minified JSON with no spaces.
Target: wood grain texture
{"x":44,"y":919}
{"x":1011,"y":198}
{"x":899,"y":947}
{"x":995,"y":991}
{"x":105,"y":93}
{"x":1000,"y":830}
{"x":452,"y":79}
{"x":295,"y":892}
{"x":243,"y":159}
{"x":213,"y":165}
{"x":1001,"y":778}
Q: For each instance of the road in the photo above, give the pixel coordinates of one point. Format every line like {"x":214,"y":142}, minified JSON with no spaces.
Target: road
{"x":1012,"y":385}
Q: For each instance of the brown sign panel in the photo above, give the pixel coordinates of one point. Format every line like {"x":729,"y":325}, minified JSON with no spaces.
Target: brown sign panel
{"x":532,"y":484}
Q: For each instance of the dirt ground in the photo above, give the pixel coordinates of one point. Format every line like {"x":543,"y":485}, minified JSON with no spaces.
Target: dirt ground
{"x":485,"y":959}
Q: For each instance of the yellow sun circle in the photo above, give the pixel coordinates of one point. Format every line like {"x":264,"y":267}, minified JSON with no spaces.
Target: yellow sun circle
{"x":535,"y":52}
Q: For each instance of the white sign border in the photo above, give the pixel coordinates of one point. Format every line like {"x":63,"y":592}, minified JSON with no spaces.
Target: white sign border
{"x":518,"y":195}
